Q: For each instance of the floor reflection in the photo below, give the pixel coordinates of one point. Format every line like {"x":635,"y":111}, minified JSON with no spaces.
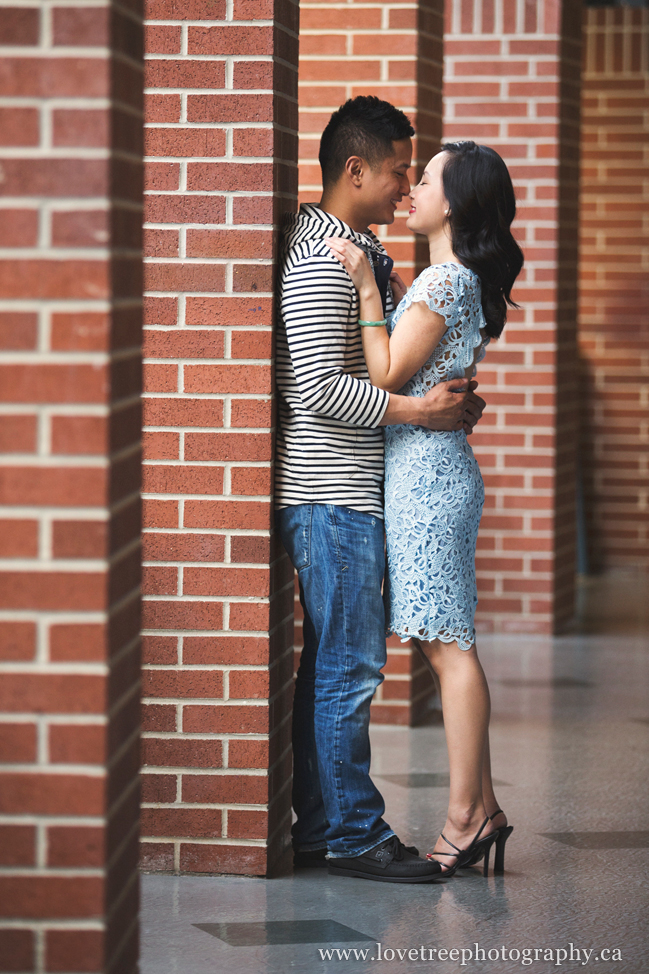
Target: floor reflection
{"x":569,"y":737}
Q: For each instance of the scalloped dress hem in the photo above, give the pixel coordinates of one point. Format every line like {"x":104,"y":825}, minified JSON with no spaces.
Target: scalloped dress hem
{"x":462,"y":641}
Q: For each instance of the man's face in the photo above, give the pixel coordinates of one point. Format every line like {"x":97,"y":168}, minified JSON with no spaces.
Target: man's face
{"x":386,"y":185}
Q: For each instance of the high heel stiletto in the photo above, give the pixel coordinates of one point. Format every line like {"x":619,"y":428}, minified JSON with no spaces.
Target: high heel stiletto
{"x":502,"y":834}
{"x":479,"y":848}
{"x":499,"y":857}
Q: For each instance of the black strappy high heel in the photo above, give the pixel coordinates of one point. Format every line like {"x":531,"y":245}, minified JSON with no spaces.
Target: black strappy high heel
{"x":465,"y":857}
{"x":499,"y":858}
{"x":502,"y":834}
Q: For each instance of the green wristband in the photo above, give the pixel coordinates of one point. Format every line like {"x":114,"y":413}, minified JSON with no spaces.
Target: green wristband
{"x":372,"y":324}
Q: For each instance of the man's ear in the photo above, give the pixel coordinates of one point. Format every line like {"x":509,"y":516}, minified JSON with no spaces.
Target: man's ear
{"x":354,"y":168}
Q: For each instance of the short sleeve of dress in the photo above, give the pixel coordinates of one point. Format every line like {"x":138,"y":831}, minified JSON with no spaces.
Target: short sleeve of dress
{"x":437,"y":287}
{"x":452,"y":291}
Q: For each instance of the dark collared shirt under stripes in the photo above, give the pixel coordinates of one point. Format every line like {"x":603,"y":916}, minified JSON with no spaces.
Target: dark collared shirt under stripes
{"x":329,"y":443}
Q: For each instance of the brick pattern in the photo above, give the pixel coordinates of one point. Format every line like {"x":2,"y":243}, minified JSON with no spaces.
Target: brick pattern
{"x":391,"y":49}
{"x":614,"y":293}
{"x":70,"y":326}
{"x":512,"y":82}
{"x":221,"y":145}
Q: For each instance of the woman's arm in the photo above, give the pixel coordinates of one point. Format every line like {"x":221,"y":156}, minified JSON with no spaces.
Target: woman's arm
{"x":390,"y":361}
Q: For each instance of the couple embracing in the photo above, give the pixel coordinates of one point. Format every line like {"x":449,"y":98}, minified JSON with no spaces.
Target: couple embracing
{"x":356,"y":352}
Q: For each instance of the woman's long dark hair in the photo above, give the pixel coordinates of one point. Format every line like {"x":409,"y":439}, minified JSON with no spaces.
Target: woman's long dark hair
{"x":482,"y":205}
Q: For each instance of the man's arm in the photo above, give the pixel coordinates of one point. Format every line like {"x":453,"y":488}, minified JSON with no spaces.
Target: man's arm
{"x":443,"y":408}
{"x":448,"y":406}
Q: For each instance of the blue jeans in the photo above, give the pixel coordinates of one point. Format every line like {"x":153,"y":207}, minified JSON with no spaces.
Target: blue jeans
{"x":340,"y":560}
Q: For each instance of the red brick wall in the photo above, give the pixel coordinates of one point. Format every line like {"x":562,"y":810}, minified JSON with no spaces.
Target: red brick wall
{"x":221,"y":146}
{"x":512,"y":82}
{"x":391,"y":49}
{"x":614,"y":286}
{"x":70,"y":330}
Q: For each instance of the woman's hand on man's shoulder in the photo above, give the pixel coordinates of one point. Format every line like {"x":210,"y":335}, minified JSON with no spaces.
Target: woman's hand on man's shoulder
{"x":355,"y":262}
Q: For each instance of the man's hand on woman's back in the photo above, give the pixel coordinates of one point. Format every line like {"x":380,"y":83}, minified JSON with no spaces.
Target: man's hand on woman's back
{"x":473,"y":407}
{"x":444,"y":406}
{"x":453,"y":405}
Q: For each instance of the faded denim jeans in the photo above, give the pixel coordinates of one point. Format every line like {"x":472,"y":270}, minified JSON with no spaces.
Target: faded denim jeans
{"x":339,"y":556}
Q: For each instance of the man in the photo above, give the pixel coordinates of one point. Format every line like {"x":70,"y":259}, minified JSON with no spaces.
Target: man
{"x":328,"y":489}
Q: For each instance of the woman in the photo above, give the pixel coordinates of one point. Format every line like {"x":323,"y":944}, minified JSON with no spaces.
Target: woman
{"x":464,"y":204}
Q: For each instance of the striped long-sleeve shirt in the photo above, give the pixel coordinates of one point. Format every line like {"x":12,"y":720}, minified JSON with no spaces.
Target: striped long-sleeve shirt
{"x":329,"y":443}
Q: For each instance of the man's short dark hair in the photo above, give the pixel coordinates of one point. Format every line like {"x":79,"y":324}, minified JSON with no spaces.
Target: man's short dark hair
{"x":364,"y":126}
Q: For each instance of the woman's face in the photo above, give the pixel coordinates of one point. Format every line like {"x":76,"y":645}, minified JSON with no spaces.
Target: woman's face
{"x":429,"y":206}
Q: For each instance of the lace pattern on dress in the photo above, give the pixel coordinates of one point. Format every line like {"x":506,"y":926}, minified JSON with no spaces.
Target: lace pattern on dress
{"x":453,"y":291}
{"x":433,"y":488}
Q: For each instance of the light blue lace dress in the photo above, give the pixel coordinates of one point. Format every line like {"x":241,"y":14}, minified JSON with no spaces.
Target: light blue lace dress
{"x":433,"y":487}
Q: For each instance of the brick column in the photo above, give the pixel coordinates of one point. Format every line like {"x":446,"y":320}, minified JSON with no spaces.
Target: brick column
{"x":614,"y":293}
{"x":221,"y":144}
{"x":512,"y":82}
{"x":393,"y":50}
{"x":70,"y":285}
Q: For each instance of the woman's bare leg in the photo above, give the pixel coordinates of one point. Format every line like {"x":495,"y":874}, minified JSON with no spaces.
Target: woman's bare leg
{"x":488,"y":797}
{"x":430,"y":669}
{"x":466,"y":708}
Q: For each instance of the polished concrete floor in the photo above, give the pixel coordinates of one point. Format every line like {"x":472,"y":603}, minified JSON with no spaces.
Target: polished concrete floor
{"x":569,"y":734}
